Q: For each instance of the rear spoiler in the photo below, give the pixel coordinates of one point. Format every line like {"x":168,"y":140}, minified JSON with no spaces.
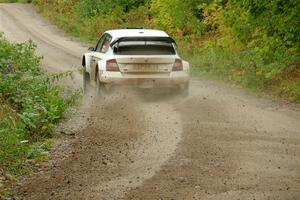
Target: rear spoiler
{"x":127,"y":39}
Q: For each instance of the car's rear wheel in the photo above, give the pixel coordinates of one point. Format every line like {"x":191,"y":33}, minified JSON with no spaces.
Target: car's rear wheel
{"x":86,"y":81}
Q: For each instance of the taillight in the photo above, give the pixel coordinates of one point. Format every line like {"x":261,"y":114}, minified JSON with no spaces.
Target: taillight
{"x":112,"y":65}
{"x":178,"y":66}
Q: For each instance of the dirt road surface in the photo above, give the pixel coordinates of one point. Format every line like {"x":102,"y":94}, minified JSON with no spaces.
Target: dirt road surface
{"x":219,"y":143}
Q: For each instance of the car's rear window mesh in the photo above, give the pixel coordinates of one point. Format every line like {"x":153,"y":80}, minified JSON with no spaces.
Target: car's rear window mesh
{"x":144,"y":48}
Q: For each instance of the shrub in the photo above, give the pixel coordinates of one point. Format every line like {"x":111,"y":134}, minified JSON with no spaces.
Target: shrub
{"x":31,"y":104}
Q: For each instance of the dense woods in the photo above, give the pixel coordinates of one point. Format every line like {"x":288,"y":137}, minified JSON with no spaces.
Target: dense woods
{"x":254,"y":43}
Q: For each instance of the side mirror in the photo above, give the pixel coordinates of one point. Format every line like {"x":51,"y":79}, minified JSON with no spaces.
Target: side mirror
{"x":91,"y":49}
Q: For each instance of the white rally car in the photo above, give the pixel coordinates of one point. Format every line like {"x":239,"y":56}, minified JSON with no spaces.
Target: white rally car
{"x":135,"y":57}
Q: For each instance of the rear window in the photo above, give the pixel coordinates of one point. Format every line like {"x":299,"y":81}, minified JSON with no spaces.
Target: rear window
{"x":144,"y":48}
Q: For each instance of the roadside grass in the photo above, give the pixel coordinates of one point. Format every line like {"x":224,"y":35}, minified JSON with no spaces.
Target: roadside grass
{"x":31,"y":104}
{"x":277,"y":78}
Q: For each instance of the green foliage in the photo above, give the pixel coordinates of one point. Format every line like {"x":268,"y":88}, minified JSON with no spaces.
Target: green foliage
{"x":177,"y":16}
{"x":291,"y":89}
{"x":30,"y":105}
{"x":91,"y":8}
{"x":276,"y":18}
{"x":15,"y":1}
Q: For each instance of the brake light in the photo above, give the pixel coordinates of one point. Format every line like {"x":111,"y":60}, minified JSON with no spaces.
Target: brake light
{"x":112,"y":65}
{"x":178,"y":66}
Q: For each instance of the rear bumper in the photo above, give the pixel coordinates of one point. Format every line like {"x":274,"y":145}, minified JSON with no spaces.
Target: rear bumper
{"x":173,"y":79}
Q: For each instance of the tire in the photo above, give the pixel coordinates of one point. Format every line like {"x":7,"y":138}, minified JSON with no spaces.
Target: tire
{"x":86,"y":81}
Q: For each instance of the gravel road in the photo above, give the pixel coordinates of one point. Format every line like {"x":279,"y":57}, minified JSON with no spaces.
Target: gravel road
{"x":219,"y":143}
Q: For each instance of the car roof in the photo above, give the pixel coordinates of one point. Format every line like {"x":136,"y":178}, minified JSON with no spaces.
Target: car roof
{"x":119,"y":33}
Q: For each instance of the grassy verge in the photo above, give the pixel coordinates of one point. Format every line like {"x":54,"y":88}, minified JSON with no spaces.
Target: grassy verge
{"x":278,"y":76}
{"x":31,"y":104}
